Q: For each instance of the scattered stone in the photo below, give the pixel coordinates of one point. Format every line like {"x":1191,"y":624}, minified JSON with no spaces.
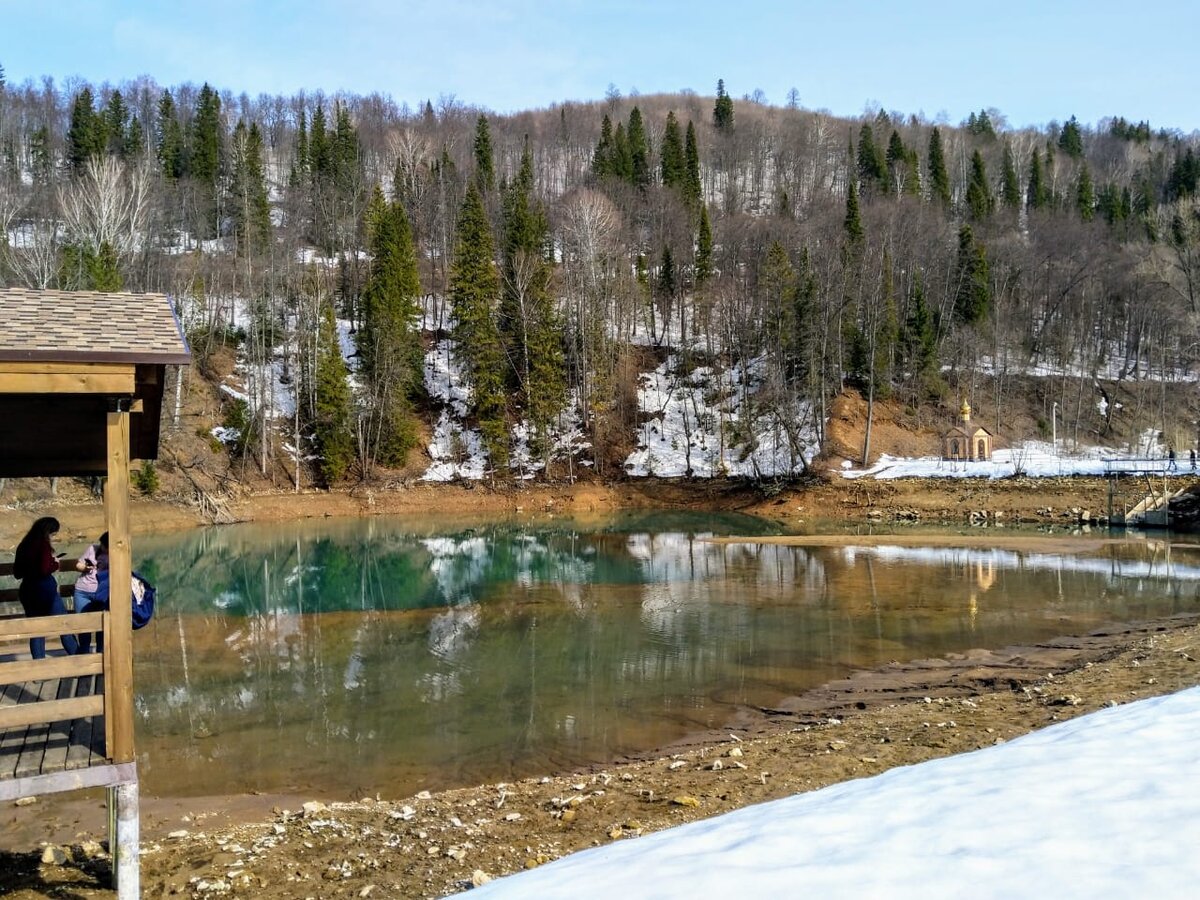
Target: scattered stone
{"x":366,"y":891}
{"x":513,"y":817}
{"x":424,"y":795}
{"x":677,"y":764}
{"x":91,"y":849}
{"x":314,"y":808}
{"x":568,"y":816}
{"x":717,"y":765}
{"x":685,"y":800}
{"x":54,"y":856}
{"x":179,"y":835}
{"x":735,"y":752}
{"x":479,"y":878}
{"x":616,"y":832}
{"x":27,"y":801}
{"x":837,"y":745}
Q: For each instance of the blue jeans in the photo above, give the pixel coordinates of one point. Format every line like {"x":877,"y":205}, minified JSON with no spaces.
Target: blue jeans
{"x":39,"y":597}
{"x":84,"y":600}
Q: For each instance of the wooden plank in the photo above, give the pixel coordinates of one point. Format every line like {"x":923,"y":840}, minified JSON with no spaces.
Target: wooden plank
{"x":31,"y":714}
{"x":46,"y":710}
{"x":97,"y":776}
{"x":50,"y":626}
{"x":12,"y":595}
{"x":12,"y":739}
{"x":58,"y":741}
{"x":64,"y":367}
{"x":118,"y":651}
{"x":51,"y":667}
{"x":66,"y":382}
{"x":84,"y":732}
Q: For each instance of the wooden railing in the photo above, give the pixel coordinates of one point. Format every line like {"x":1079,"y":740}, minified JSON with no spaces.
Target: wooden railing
{"x":16,"y":629}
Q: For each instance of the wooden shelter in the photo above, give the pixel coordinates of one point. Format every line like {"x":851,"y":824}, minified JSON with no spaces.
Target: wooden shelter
{"x":81,"y":385}
{"x":966,"y":441}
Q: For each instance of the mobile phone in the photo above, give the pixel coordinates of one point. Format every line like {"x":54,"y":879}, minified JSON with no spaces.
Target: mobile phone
{"x":60,"y":555}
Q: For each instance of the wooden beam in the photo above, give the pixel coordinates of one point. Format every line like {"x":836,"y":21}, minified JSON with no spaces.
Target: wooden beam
{"x":24,"y":670}
{"x":118,"y":647}
{"x":73,"y":780}
{"x":68,"y":378}
{"x":50,"y":711}
{"x":48,"y":626}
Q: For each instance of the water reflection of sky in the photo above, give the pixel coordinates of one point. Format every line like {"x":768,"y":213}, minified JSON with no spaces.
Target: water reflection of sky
{"x":371,"y":655}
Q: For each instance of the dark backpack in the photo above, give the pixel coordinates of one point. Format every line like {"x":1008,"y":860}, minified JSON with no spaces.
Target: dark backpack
{"x":144,"y":595}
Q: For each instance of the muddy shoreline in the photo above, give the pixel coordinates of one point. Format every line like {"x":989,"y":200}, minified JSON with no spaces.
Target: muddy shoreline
{"x":894,"y":715}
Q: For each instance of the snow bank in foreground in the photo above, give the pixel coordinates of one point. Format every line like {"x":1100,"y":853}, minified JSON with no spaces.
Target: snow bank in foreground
{"x":1102,"y":806}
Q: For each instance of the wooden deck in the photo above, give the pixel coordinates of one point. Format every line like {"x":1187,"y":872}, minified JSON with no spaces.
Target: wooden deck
{"x":47,"y":748}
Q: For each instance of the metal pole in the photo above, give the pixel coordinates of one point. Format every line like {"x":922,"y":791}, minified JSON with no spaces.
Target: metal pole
{"x":1054,"y":426}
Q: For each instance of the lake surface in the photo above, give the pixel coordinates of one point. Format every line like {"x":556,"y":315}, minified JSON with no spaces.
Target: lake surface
{"x":346,"y":658}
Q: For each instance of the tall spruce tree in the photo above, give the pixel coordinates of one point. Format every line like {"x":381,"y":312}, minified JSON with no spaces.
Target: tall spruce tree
{"x":248,"y":186}
{"x":723,"y":108}
{"x":1070,"y":140}
{"x":604,"y":158}
{"x":1085,"y":194}
{"x":204,"y":156}
{"x":1010,"y":186}
{"x":85,"y":134}
{"x":973,"y":293}
{"x":485,"y":166}
{"x":980,"y":201}
{"x":872,"y":169}
{"x":389,"y":342}
{"x":692,"y":190}
{"x":639,"y":149}
{"x":704,"y":249}
{"x":939,"y":177}
{"x":170,"y":147}
{"x":114,"y":123}
{"x":852,"y":224}
{"x":475,"y":292}
{"x":332,"y":423}
{"x":672,"y":163}
{"x":1036,"y":193}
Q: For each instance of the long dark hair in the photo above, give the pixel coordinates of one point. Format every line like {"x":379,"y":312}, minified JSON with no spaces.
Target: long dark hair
{"x":38,"y":533}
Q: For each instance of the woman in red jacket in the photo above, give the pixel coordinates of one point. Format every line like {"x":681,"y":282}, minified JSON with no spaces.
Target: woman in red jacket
{"x":35,"y":564}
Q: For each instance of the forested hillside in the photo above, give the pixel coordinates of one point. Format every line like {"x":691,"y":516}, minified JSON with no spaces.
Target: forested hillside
{"x":618,"y":284}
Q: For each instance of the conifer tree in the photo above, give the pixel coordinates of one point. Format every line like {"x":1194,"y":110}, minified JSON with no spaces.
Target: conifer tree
{"x":919,"y":339}
{"x":475,"y":293}
{"x":872,"y":170}
{"x":1085,"y":194}
{"x":778,"y":288}
{"x":300,"y":169}
{"x":853,"y":222}
{"x":693,"y":190}
{"x":972,"y":295}
{"x":85,"y":135}
{"x":41,"y":159}
{"x":723,"y":108}
{"x":529,"y":320}
{"x":332,"y":403}
{"x":485,"y":167}
{"x":1035,"y":191}
{"x":170,"y":138}
{"x":672,"y":162}
{"x":389,"y":342}
{"x":622,"y":165}
{"x":604,"y":157}
{"x":980,"y":201}
{"x":135,"y":138}
{"x":704,"y":249}
{"x":639,"y":150}
{"x":1070,"y":141}
{"x":204,"y":155}
{"x":667,"y":282}
{"x":1010,"y":187}
{"x":114,"y":123}
{"x":251,"y":209}
{"x":318,"y":146}
{"x":939,"y":177}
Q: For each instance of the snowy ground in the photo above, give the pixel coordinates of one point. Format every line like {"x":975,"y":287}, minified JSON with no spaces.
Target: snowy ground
{"x":1034,"y":459}
{"x":1104,"y":805}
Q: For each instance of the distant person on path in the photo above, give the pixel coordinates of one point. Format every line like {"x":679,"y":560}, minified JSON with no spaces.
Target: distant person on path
{"x":1192,"y":458}
{"x":94,"y":566}
{"x":35,"y":563}
{"x":1171,"y":460}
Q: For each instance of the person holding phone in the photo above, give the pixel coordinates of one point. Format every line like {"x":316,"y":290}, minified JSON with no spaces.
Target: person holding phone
{"x":35,"y":563}
{"x":94,"y":566}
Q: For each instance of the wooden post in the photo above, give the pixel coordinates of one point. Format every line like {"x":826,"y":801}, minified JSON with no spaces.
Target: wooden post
{"x":120,"y":574}
{"x":118,"y":658}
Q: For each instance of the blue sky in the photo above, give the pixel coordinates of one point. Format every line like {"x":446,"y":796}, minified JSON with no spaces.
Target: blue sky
{"x":1034,"y":61}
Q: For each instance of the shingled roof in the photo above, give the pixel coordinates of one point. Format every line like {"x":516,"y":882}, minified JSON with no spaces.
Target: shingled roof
{"x":90,"y":326}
